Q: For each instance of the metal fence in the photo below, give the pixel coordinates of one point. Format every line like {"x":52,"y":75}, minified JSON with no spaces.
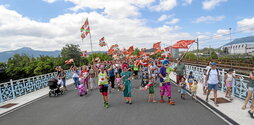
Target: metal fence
{"x":239,"y":86}
{"x":13,"y":89}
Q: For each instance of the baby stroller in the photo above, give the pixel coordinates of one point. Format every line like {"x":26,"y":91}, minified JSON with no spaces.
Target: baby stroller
{"x":82,"y":90}
{"x":54,"y":88}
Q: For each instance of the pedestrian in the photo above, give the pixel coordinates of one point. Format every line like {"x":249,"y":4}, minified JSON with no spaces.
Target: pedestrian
{"x":204,"y":82}
{"x":112,"y":77}
{"x":180,"y":71}
{"x":135,"y":69}
{"x":183,"y":86}
{"x":190,"y":79}
{"x":194,"y":90}
{"x":151,"y":96}
{"x":127,"y":76}
{"x":165,"y":85}
{"x":145,"y":77}
{"x":250,"y":87}
{"x":84,"y":75}
{"x":119,"y":82}
{"x":75,"y":76}
{"x":62,"y":77}
{"x":92,"y":75}
{"x":103,"y":85}
{"x":213,"y":79}
{"x":228,"y":82}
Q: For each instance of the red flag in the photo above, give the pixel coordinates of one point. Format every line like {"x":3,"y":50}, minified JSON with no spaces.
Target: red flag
{"x":157,"y":45}
{"x":183,"y":44}
{"x":131,"y":49}
{"x":157,"y":51}
{"x":86,"y":22}
{"x":102,"y":42}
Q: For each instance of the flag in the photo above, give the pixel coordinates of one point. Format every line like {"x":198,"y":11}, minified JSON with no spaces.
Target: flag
{"x":157,"y":45}
{"x":131,"y":49}
{"x":183,"y":44}
{"x":157,"y":51}
{"x":85,"y":29}
{"x":84,"y":53}
{"x":102,"y":42}
{"x":69,"y":61}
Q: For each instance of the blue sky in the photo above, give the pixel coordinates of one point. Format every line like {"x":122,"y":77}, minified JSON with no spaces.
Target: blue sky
{"x":188,"y":20}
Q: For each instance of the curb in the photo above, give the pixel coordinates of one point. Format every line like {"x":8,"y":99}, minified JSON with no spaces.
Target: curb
{"x":212,"y":109}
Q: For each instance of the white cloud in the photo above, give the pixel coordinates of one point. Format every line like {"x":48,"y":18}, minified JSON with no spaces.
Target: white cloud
{"x":18,"y":31}
{"x":210,"y":4}
{"x":164,"y":17}
{"x":186,"y":2}
{"x":209,"y":19}
{"x":112,"y":8}
{"x":246,"y":24}
{"x":173,"y":21}
{"x":164,"y":5}
{"x":50,"y":1}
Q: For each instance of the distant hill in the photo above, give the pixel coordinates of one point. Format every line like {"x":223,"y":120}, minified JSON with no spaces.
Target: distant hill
{"x":4,"y":56}
{"x":249,"y":39}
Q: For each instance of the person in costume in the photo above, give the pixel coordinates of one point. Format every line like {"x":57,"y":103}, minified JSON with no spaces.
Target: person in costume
{"x":127,"y":76}
{"x":103,"y":85}
{"x":165,"y":85}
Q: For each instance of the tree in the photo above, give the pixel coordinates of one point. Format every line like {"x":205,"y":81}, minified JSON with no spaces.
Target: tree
{"x":190,"y":56}
{"x":136,"y":52}
{"x":16,"y":66}
{"x":71,"y":51}
{"x":214,"y":55}
{"x":102,"y":56}
{"x":3,"y":66}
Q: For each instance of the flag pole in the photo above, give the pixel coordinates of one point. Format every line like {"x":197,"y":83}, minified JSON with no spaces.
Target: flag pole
{"x":91,"y":44}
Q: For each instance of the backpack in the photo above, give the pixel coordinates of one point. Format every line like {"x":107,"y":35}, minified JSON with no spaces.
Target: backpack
{"x":218,"y":74}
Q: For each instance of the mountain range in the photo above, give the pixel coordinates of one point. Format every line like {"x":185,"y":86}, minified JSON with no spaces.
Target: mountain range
{"x":4,"y":56}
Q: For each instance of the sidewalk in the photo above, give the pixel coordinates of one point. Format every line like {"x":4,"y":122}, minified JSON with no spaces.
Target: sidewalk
{"x":27,"y":99}
{"x":232,"y":110}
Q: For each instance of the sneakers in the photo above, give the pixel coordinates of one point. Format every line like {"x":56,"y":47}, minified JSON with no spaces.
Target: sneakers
{"x":171,"y":102}
{"x":251,"y":114}
{"x":106,"y":105}
{"x":162,"y":101}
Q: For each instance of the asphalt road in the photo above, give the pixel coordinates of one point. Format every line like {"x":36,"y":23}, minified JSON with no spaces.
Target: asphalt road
{"x":71,"y":109}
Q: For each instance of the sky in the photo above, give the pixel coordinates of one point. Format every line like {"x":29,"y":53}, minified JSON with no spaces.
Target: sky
{"x":51,"y":24}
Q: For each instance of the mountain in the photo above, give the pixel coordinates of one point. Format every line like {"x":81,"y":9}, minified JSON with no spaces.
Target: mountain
{"x":4,"y":56}
{"x":249,"y":39}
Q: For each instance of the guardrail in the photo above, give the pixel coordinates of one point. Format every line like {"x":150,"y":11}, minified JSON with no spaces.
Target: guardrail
{"x":13,"y":89}
{"x":239,"y":86}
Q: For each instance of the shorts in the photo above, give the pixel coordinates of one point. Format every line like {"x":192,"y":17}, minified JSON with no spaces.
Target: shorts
{"x":228,"y":84}
{"x":213,"y":86}
{"x":151,"y":89}
{"x":178,"y":78}
{"x":251,"y":89}
{"x":194,"y":93}
{"x":104,"y":90}
{"x":135,"y":73}
{"x":183,"y":91}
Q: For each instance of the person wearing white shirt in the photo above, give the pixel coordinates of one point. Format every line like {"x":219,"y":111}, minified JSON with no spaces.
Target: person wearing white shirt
{"x":213,"y":79}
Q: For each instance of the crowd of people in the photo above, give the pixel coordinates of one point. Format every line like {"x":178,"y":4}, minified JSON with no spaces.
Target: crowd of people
{"x":109,"y":76}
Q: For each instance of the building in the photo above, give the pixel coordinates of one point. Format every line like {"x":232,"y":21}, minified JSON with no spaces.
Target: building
{"x":240,"y":48}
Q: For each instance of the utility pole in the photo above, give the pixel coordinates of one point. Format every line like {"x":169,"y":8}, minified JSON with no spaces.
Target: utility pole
{"x":197,"y":47}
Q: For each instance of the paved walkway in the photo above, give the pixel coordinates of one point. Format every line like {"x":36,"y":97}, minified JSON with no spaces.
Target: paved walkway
{"x":232,"y":110}
{"x":70,"y":109}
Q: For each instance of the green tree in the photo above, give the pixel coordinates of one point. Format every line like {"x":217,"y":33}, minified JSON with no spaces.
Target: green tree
{"x":71,"y":51}
{"x":136,"y":52}
{"x":214,"y":55}
{"x":3,"y":66}
{"x":16,"y":66}
{"x":102,"y":56}
{"x":190,"y":56}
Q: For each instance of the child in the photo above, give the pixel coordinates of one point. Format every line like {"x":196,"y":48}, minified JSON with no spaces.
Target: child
{"x":228,"y":82}
{"x":151,"y":90}
{"x":194,"y":90}
{"x":119,"y":82}
{"x":204,"y":82}
{"x":145,"y":78}
{"x":182,"y":88}
{"x":190,"y":79}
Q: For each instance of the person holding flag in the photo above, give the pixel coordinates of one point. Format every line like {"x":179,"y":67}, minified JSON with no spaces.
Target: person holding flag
{"x":165,"y":85}
{"x":103,"y":85}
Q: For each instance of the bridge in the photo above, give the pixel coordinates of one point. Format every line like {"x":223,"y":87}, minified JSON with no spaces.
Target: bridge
{"x":26,"y":102}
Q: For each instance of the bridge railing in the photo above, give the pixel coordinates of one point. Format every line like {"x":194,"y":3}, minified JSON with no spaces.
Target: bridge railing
{"x":239,"y":86}
{"x":13,"y":89}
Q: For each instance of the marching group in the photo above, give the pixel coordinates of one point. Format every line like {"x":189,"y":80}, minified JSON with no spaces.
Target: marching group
{"x":109,"y":76}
